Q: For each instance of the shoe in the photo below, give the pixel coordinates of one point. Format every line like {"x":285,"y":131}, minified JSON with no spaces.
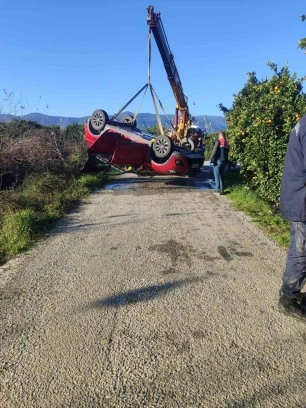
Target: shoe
{"x":293,"y":307}
{"x":217,"y":192}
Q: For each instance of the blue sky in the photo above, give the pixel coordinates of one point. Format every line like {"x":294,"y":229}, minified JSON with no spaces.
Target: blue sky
{"x":68,"y":58}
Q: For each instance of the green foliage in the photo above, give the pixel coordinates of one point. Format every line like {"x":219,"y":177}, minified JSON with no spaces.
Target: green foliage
{"x":302,"y":42}
{"x":74,"y":137}
{"x":26,"y":148}
{"x":90,"y":181}
{"x":259,"y":124}
{"x":155,"y":130}
{"x":30,"y":209}
{"x":75,"y":132}
{"x":41,"y":180}
{"x":16,"y":231}
{"x":16,"y":128}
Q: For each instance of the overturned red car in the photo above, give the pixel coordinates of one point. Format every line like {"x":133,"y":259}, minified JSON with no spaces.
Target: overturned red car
{"x":121,"y":143}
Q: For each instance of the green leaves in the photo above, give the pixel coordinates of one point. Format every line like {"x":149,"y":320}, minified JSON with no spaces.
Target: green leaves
{"x":259,"y":124}
{"x":302,"y":42}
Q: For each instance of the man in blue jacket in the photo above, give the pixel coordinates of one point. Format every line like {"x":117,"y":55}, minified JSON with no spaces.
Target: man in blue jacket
{"x":292,"y":300}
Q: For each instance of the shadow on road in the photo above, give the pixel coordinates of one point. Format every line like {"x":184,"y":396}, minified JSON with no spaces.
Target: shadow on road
{"x":143,"y":294}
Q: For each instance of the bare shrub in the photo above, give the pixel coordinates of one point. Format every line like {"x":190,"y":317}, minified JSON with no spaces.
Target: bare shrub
{"x":33,"y":150}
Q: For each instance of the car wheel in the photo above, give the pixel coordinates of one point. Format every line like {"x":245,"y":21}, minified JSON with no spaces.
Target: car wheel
{"x":99,"y":119}
{"x":130,"y":120}
{"x":188,"y":143}
{"x":91,"y":129}
{"x":162,"y":147}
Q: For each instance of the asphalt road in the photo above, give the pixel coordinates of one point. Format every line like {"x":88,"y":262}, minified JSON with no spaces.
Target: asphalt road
{"x":153,"y":293}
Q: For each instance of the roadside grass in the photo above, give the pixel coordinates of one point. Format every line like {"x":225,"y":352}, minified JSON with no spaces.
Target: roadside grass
{"x":28,"y":211}
{"x":245,"y":200}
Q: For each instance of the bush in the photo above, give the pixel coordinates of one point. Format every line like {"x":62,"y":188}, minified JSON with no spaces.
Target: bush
{"x":33,"y":207}
{"x":259,"y":124}
{"x":40,"y":180}
{"x":38,"y":149}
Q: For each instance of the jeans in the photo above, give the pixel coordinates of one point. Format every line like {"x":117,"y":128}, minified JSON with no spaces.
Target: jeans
{"x":219,"y":168}
{"x":294,"y":276}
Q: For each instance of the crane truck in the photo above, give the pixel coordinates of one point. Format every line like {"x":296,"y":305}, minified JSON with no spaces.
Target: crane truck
{"x":114,"y":142}
{"x":183,"y":127}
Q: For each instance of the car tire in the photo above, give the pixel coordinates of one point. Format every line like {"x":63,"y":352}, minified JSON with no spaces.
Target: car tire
{"x":91,"y":129}
{"x":162,"y":147}
{"x":129,"y":119}
{"x":188,"y":143}
{"x":98,"y":120}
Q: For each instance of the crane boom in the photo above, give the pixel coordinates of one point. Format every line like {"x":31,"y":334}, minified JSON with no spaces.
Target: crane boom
{"x":156,"y":26}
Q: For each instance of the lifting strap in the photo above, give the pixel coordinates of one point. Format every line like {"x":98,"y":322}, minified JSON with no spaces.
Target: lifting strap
{"x":153,"y":93}
{"x":131,"y":100}
{"x":163,"y":109}
{"x":144,"y":90}
{"x":149,"y":83}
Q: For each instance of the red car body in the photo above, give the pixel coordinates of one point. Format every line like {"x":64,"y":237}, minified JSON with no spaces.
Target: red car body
{"x":123,"y":144}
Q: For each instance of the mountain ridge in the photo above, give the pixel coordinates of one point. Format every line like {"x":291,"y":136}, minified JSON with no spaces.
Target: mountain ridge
{"x":144,"y":120}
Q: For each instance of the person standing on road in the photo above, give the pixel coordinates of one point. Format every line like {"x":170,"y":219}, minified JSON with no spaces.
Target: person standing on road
{"x":219,"y":159}
{"x":293,"y":208}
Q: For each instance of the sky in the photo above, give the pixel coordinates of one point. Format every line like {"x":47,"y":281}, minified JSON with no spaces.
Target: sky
{"x":68,"y":58}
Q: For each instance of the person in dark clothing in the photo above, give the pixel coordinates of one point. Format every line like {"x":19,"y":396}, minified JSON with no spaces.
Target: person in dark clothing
{"x":196,"y":135}
{"x":219,"y":159}
{"x":292,"y":300}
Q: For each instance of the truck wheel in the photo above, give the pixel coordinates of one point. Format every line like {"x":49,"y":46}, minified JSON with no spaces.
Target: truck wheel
{"x":162,"y":147}
{"x":130,"y":120}
{"x":99,"y":119}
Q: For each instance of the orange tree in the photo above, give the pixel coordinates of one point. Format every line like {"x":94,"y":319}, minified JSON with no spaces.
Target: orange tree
{"x":302,"y":42}
{"x":259,"y":123}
